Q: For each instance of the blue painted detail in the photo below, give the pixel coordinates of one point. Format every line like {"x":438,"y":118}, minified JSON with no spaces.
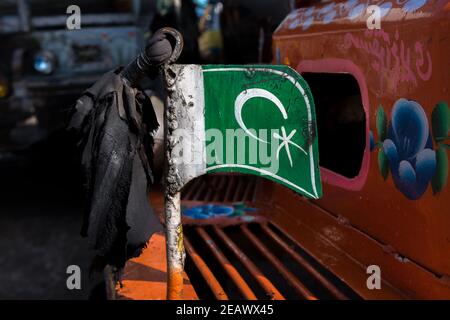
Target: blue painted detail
{"x":357,"y":11}
{"x":413,"y":5}
{"x":208,"y":211}
{"x":409,"y":149}
{"x":385,"y":8}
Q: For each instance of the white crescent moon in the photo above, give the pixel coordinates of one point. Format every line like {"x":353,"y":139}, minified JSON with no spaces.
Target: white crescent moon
{"x":248,"y":94}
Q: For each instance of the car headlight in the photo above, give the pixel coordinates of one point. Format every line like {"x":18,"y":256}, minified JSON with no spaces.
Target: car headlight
{"x":44,"y":62}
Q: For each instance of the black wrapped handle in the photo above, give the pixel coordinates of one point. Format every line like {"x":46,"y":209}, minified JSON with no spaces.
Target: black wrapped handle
{"x":145,"y":61}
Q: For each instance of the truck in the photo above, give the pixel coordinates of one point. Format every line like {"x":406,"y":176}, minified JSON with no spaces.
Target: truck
{"x":382,"y":228}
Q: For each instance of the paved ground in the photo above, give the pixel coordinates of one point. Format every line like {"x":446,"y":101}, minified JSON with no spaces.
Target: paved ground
{"x":40,"y":220}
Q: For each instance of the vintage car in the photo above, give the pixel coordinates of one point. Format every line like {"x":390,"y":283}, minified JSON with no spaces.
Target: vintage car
{"x":381,"y":98}
{"x":45,"y":62}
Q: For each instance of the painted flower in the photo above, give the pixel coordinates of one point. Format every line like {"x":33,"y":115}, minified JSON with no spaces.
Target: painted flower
{"x":408,"y":149}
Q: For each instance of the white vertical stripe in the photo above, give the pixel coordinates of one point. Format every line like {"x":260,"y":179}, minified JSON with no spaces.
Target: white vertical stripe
{"x":190,"y":117}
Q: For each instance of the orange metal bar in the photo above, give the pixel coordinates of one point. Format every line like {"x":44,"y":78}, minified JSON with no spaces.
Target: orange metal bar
{"x":289,"y":276}
{"x":243,"y":287}
{"x":270,"y":289}
{"x":305,"y":264}
{"x":209,"y":277}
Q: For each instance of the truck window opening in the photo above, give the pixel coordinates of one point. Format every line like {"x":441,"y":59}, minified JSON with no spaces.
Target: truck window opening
{"x":341,"y":121}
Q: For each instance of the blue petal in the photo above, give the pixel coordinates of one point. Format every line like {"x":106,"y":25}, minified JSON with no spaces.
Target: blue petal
{"x":391,"y":153}
{"x":406,"y":173}
{"x":410,"y":127}
{"x":425,"y":165}
{"x":408,"y":182}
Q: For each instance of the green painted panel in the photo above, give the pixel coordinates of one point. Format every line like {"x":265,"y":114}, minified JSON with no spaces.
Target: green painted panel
{"x":261,"y":120}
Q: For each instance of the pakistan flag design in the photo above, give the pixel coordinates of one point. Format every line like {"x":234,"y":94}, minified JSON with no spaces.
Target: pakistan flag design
{"x":256,"y":120}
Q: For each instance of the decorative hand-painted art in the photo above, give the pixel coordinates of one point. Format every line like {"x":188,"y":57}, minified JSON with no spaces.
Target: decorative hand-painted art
{"x":406,"y":147}
{"x":265,"y":99}
{"x":389,"y":54}
{"x":351,"y":10}
{"x":210,"y":210}
{"x":252,"y":119}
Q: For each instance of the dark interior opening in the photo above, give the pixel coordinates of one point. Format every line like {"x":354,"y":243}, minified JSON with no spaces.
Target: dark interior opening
{"x":341,"y":121}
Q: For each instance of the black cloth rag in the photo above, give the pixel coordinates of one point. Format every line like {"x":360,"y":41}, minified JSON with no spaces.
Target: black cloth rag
{"x":114,"y":126}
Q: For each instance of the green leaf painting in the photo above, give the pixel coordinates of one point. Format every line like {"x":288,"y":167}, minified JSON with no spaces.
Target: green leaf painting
{"x":383,"y":164}
{"x":440,"y":178}
{"x":381,"y":123}
{"x":440,"y":121}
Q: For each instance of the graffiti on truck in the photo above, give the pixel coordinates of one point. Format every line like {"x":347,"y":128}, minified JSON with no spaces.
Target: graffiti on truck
{"x":397,"y":60}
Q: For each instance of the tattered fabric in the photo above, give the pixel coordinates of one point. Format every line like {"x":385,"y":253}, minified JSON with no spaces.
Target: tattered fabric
{"x":114,"y":124}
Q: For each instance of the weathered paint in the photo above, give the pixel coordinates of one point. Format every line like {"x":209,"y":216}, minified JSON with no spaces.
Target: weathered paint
{"x":402,"y":66}
{"x":145,"y":277}
{"x":263,"y":89}
{"x":259,"y":101}
{"x":172,"y":183}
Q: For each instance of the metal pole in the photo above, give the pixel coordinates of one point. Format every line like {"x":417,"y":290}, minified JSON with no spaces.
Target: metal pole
{"x":174,"y":246}
{"x":174,"y":229}
{"x":172,"y":186}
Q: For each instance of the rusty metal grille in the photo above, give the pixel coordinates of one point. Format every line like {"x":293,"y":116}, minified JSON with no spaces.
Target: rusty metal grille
{"x":255,"y":261}
{"x":220,"y":188}
{"x":249,"y":259}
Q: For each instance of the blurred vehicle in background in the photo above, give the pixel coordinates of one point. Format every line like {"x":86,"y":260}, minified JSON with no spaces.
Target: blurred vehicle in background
{"x":44,"y":66}
{"x":210,"y":41}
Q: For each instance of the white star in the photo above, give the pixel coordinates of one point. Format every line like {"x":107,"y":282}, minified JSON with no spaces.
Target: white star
{"x":286,"y":140}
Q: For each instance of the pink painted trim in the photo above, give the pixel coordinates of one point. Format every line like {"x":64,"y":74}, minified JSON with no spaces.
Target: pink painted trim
{"x":333,"y":65}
